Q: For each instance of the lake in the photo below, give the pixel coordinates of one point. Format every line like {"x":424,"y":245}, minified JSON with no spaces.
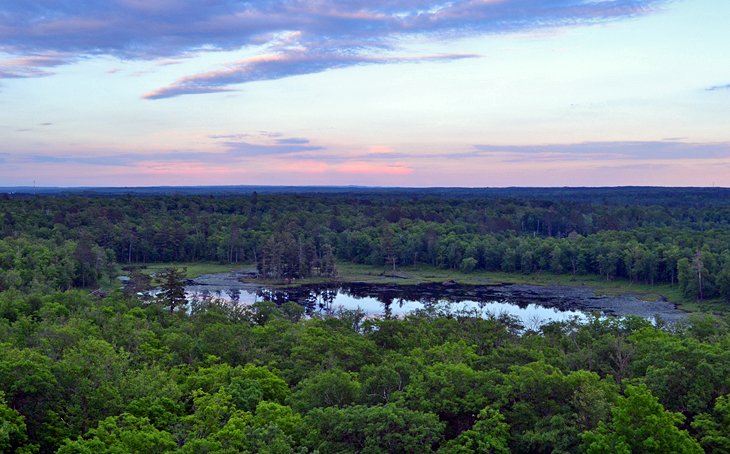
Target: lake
{"x":530,"y":304}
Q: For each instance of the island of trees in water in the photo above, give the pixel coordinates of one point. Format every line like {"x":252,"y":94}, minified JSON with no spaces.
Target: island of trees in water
{"x":82,"y":371}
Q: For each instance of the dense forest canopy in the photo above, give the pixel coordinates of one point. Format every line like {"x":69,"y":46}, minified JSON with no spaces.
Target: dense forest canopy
{"x":84,"y":372}
{"x":675,"y":236}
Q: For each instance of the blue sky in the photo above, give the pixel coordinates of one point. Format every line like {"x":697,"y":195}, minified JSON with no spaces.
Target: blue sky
{"x":399,"y":93}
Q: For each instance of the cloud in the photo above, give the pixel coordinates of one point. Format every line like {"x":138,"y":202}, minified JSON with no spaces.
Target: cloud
{"x":263,"y":143}
{"x":117,"y":159}
{"x":373,"y":168}
{"x":632,"y":150}
{"x":234,"y":150}
{"x":278,"y":66}
{"x":165,"y":28}
{"x":310,"y":166}
{"x":246,"y":135}
{"x":718,"y":87}
{"x":32,"y":65}
{"x":380,"y":149}
{"x":293,"y":141}
{"x":252,"y":149}
{"x":294,"y":37}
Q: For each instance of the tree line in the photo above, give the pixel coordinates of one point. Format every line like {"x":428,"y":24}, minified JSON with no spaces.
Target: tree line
{"x":676,"y":241}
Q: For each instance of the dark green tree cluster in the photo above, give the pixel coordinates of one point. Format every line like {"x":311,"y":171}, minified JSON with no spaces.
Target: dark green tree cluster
{"x":284,"y":257}
{"x":33,"y":264}
{"x":85,"y":374}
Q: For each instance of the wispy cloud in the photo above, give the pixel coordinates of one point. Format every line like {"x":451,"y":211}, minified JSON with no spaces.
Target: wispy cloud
{"x":296,"y":37}
{"x":252,"y":149}
{"x":311,"y":166}
{"x":247,"y":135}
{"x":635,"y":150}
{"x":231,"y":148}
{"x":32,"y":65}
{"x":278,"y":66}
{"x":263,"y":143}
{"x":293,"y":141}
{"x":718,"y":87}
{"x":115,"y":159}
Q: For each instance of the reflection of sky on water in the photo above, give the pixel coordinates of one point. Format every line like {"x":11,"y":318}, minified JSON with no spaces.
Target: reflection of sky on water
{"x":531,"y":315}
{"x":245,"y":295}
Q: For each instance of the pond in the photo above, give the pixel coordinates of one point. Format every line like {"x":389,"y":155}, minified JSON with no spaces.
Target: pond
{"x":532,"y":305}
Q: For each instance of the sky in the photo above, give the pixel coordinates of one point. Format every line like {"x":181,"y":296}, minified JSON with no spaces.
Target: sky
{"x":412,"y":93}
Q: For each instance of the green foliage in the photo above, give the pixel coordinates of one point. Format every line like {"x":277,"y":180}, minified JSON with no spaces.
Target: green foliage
{"x":247,"y":385}
{"x":85,"y":374}
{"x":468,"y":264}
{"x":714,"y":428}
{"x":375,"y":429}
{"x":681,"y":370}
{"x":490,"y":434}
{"x":455,"y":392}
{"x":172,"y":288}
{"x":640,"y":424}
{"x":24,"y":372}
{"x":91,"y":378}
{"x":333,"y":388}
{"x":121,"y":434}
{"x":548,"y":409}
{"x":13,"y":436}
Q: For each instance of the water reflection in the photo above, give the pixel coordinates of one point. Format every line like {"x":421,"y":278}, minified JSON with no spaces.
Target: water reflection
{"x":389,"y":301}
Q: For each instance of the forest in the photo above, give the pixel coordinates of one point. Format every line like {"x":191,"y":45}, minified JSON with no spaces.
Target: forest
{"x":89,"y":371}
{"x":666,"y":236}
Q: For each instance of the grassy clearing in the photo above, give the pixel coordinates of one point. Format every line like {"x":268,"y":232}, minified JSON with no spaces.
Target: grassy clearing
{"x":193,"y":270}
{"x":351,"y":272}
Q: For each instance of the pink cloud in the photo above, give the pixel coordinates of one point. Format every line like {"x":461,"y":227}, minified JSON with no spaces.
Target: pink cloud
{"x":302,"y":166}
{"x":374,"y":168}
{"x":182,"y":168}
{"x":380,"y":149}
{"x":33,"y":65}
{"x":350,"y":168}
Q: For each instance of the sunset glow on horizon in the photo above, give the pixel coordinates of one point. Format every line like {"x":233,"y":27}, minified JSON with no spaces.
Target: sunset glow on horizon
{"x":403,"y":93}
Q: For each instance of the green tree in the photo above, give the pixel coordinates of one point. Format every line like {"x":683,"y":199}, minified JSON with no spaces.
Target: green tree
{"x":90,"y":375}
{"x":121,"y":434}
{"x":333,"y":388}
{"x":640,"y":424}
{"x":714,"y":428}
{"x":13,"y":437}
{"x":468,"y":264}
{"x":723,"y":281}
{"x":172,"y":293}
{"x":327,"y":265}
{"x":489,"y":435}
{"x":87,"y":258}
{"x":380,"y":428}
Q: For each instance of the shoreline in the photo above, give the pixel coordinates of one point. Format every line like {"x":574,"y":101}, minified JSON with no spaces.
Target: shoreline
{"x":350,"y":273}
{"x":560,"y":297}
